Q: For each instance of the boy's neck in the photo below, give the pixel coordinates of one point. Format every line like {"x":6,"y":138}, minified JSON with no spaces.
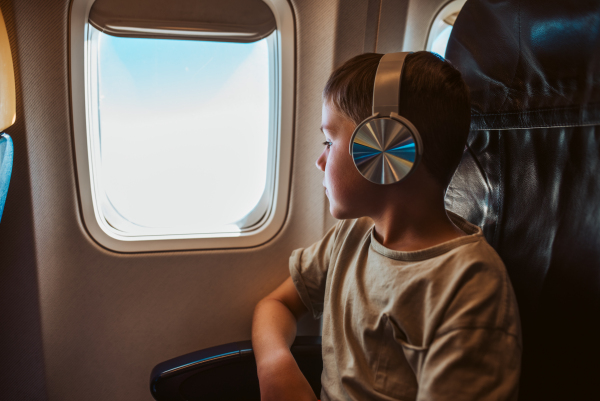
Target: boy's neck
{"x":413,"y":219}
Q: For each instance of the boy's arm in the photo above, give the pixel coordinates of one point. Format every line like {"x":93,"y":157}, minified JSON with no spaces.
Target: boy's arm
{"x":273,"y":332}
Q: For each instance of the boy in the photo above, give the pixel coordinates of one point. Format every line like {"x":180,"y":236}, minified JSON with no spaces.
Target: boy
{"x":415,"y":303}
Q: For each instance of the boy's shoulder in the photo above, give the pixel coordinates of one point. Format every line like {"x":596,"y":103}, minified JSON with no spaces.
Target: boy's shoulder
{"x":476,"y":258}
{"x":476,"y":289}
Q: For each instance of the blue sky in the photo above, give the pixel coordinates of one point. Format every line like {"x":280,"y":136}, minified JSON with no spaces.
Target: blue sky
{"x":178,"y":122}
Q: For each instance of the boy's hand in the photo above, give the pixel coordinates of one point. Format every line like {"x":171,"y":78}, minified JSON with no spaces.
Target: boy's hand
{"x":281,"y":379}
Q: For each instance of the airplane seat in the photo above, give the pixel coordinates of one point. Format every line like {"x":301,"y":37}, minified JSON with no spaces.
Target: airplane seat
{"x":530,"y":175}
{"x":7,"y":112}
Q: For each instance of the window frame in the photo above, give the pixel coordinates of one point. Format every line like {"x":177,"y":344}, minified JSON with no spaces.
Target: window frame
{"x":436,"y":26}
{"x":278,"y":174}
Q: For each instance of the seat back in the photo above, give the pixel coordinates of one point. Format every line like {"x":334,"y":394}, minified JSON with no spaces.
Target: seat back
{"x":530,"y":175}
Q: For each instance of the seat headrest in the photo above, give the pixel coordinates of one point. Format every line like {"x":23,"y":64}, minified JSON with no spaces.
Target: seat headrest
{"x":529,"y":63}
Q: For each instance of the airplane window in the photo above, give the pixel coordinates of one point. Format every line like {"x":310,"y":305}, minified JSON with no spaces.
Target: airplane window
{"x":441,"y":28}
{"x":181,"y":134}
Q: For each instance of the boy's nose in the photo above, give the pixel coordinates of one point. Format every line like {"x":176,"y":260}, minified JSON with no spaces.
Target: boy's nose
{"x":321,"y":162}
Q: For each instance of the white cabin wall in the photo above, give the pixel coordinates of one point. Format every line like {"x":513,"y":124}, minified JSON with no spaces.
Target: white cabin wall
{"x":22,"y":368}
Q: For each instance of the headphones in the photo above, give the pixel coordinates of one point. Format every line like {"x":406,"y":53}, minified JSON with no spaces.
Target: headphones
{"x":386,"y":147}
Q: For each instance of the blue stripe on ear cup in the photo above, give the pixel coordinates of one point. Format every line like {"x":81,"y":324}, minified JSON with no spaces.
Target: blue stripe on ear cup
{"x":361,"y":153}
{"x":406,"y":152}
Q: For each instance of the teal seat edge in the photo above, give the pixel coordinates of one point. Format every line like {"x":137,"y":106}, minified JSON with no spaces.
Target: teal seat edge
{"x":6,"y":162}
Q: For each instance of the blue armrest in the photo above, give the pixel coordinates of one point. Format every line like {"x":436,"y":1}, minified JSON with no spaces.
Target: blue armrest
{"x":6,"y":162}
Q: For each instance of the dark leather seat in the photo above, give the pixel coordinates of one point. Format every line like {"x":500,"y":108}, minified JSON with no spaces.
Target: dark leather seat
{"x":531,"y":175}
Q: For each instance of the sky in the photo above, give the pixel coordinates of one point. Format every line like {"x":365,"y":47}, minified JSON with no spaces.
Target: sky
{"x":184,"y":130}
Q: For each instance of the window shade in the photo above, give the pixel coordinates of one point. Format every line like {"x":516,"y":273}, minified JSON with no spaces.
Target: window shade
{"x":218,"y":20}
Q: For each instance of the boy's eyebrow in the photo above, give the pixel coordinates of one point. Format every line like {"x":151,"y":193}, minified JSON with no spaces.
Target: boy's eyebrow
{"x":323,"y":127}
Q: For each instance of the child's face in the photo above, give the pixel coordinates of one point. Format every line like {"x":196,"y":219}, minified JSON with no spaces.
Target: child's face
{"x":347,"y":190}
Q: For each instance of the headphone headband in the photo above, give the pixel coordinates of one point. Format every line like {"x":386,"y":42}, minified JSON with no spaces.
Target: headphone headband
{"x":386,"y":92}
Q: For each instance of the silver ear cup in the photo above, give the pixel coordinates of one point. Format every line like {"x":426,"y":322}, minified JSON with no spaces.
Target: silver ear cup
{"x":385,"y":150}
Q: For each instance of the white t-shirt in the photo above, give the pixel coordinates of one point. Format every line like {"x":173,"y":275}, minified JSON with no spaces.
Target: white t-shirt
{"x":436,"y":324}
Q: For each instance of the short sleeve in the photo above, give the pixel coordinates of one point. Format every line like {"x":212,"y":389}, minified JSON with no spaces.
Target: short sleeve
{"x":309,"y":267}
{"x":471,"y":364}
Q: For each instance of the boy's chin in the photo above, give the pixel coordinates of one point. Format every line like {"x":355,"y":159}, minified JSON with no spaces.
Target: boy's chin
{"x":343,"y":213}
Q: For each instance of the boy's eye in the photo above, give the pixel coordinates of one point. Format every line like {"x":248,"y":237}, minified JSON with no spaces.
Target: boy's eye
{"x":327,"y":143}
